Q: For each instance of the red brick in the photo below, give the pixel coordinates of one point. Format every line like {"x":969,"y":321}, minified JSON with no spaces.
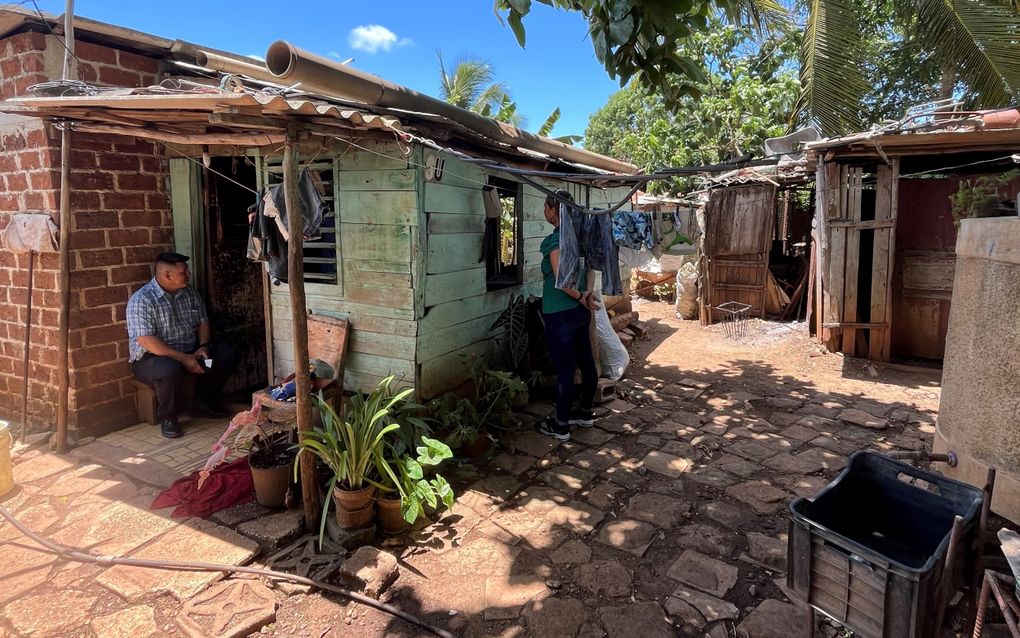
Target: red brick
{"x":157,"y":201}
{"x":112,"y":371}
{"x":131,"y":274}
{"x":8,"y":163}
{"x":90,"y":278}
{"x":29,"y":160}
{"x":88,"y":73}
{"x":37,"y":137}
{"x":105,"y":257}
{"x":152,"y":164}
{"x":95,"y":53}
{"x":45,"y":180}
{"x":93,"y":355}
{"x":105,"y":334}
{"x":160,"y":235}
{"x":91,"y":317}
{"x":141,"y":218}
{"x":16,"y":181}
{"x":45,"y":298}
{"x":122,"y":201}
{"x":136,"y":62}
{"x":128,"y":237}
{"x":9,"y":202}
{"x":118,"y":77}
{"x":91,"y":180}
{"x":120,"y":312}
{"x":10,"y":67}
{"x":94,"y":297}
{"x":83,"y":159}
{"x":33,"y":63}
{"x":41,"y":200}
{"x":45,"y":280}
{"x":96,"y":393}
{"x":141,"y":254}
{"x":15,"y":142}
{"x":88,"y":239}
{"x":101,"y":219}
{"x":137,"y":182}
{"x":93,"y":142}
{"x":118,"y":162}
{"x":47,"y":318}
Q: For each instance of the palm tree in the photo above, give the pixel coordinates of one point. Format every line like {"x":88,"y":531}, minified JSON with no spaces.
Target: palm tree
{"x":472,"y":86}
{"x":975,"y":42}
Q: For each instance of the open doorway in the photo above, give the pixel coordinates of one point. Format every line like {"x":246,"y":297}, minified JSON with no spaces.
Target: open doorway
{"x":232,"y":284}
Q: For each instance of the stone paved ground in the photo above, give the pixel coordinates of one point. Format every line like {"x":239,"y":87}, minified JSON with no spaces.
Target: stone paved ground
{"x":668,"y":518}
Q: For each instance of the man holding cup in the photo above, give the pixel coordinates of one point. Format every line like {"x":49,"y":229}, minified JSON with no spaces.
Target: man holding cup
{"x":169,"y":336}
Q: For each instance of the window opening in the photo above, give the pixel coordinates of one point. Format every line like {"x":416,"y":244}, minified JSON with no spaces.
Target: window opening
{"x":504,"y":266}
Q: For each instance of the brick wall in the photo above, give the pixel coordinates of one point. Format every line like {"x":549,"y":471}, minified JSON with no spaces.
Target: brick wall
{"x":121,"y":220}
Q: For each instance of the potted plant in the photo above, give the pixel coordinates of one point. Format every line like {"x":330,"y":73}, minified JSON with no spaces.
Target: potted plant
{"x":980,"y":196}
{"x":270,"y":454}
{"x":353,"y":447}
{"x":413,"y":490}
{"x":459,"y":419}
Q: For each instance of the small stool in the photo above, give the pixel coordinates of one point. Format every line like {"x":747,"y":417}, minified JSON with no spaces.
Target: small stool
{"x":145,"y":399}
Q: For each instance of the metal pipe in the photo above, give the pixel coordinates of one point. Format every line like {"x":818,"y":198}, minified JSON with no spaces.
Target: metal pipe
{"x":28,"y":347}
{"x":317,"y":74}
{"x":949,"y":457}
{"x":64,"y":279}
{"x":222,"y":63}
{"x":947,"y":584}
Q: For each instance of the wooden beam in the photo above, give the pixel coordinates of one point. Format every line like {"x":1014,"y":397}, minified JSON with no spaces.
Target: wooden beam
{"x":874,"y":224}
{"x":299,"y":317}
{"x":236,"y":139}
{"x":64,"y":272}
{"x":854,"y":188}
{"x":893,"y":215}
{"x":853,"y":324}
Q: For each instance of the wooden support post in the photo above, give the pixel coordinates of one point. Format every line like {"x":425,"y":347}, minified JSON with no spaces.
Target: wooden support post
{"x":64,"y":275}
{"x":299,"y":315}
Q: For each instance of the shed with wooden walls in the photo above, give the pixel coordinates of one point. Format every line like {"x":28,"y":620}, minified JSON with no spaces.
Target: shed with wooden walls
{"x":886,"y":234}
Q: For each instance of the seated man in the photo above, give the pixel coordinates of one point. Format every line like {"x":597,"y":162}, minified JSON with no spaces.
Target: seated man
{"x":170,"y":337}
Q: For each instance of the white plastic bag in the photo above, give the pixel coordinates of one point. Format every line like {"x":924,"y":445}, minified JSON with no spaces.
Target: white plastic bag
{"x":613,"y":355}
{"x":687,"y":291}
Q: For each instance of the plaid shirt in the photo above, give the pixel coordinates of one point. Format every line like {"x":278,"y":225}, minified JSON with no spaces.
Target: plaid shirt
{"x":153,"y":312}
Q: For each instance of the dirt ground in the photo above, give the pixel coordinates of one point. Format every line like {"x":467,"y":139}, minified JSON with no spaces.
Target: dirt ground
{"x":669,"y":518}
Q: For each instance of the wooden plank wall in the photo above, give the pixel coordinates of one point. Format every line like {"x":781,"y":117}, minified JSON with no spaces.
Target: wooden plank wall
{"x":377,"y":207}
{"x":457,"y":312}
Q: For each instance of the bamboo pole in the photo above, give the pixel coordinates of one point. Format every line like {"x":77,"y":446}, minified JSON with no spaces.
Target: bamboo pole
{"x":299,"y":316}
{"x":64,"y":281}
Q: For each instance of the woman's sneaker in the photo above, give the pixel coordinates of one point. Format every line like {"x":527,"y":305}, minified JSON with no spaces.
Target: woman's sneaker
{"x":582,"y":418}
{"x":553,"y":428}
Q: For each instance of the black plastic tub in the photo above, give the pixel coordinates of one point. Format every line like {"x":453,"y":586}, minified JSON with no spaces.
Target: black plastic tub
{"x":869,"y":549}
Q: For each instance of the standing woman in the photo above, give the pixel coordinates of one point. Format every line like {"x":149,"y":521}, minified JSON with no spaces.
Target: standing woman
{"x":567,"y":314}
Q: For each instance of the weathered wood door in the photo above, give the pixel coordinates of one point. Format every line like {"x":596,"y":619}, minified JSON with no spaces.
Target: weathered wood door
{"x":738,"y":236}
{"x":858,"y":221}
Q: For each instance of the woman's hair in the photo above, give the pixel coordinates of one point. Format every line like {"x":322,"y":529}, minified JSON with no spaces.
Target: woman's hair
{"x":553,"y":202}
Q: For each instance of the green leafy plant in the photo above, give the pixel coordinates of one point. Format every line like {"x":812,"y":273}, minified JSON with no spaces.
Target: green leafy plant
{"x":417,"y":491}
{"x":513,"y":322}
{"x":979,"y":194}
{"x":354,"y":446}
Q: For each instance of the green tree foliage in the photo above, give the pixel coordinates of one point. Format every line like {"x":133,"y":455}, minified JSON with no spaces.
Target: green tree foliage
{"x":853,"y":50}
{"x":749,"y":91}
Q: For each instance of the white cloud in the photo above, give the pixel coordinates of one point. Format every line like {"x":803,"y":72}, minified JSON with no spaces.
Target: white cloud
{"x":374,"y":38}
{"x":334,"y":54}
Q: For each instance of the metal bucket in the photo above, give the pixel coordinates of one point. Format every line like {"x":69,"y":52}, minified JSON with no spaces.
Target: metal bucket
{"x":6,"y":466}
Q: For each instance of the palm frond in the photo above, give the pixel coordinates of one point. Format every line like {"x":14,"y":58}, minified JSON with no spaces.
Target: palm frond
{"x":831,"y":79}
{"x":546,"y":129}
{"x":982,"y":39}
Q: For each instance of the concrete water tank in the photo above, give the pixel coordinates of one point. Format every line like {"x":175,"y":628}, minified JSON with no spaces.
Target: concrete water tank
{"x":979,"y":413}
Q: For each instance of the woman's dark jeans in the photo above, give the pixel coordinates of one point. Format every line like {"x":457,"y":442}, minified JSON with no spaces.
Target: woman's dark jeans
{"x":569,"y":342}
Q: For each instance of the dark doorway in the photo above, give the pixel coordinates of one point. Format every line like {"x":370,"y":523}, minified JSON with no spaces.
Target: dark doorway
{"x":233,"y":284}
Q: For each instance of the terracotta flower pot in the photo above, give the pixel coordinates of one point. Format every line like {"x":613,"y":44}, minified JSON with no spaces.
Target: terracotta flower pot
{"x":475,"y":448}
{"x":355,"y":509}
{"x":390,"y":519}
{"x":271,"y":485}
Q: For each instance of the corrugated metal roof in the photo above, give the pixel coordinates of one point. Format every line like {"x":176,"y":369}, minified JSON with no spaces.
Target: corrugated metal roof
{"x":205,"y":103}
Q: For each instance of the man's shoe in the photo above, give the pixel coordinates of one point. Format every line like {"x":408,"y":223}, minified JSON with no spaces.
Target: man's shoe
{"x":554,"y":429}
{"x":171,"y":429}
{"x":582,"y":418}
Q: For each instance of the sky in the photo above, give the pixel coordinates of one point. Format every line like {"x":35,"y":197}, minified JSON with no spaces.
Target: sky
{"x":395,"y":39}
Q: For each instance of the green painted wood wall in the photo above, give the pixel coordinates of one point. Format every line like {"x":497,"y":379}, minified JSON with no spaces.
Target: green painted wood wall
{"x":410,"y":281}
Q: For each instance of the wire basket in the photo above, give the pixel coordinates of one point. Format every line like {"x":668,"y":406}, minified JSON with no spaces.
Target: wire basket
{"x":734,"y":317}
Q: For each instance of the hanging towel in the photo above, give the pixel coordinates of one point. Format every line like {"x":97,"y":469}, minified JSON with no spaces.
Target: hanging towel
{"x":30,"y":232}
{"x":586,"y":243}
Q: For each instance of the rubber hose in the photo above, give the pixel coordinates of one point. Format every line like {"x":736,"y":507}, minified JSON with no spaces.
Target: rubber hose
{"x":82,"y":557}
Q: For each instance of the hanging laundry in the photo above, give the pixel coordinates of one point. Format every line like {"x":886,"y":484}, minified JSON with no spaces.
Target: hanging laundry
{"x":313,"y":209}
{"x":586,"y":243}
{"x":633,"y":230}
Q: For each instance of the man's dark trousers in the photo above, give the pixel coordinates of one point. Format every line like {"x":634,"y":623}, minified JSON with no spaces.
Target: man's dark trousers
{"x":166,"y":377}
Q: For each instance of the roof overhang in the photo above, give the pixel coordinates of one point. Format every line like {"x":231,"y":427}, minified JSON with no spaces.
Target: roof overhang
{"x":869,"y":145}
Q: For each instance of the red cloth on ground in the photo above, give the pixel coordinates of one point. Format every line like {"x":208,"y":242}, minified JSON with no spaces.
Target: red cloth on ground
{"x":227,"y":485}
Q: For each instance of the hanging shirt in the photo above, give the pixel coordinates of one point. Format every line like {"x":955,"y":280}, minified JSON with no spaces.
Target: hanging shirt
{"x":553,"y":299}
{"x":633,"y":230}
{"x":586,"y":243}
